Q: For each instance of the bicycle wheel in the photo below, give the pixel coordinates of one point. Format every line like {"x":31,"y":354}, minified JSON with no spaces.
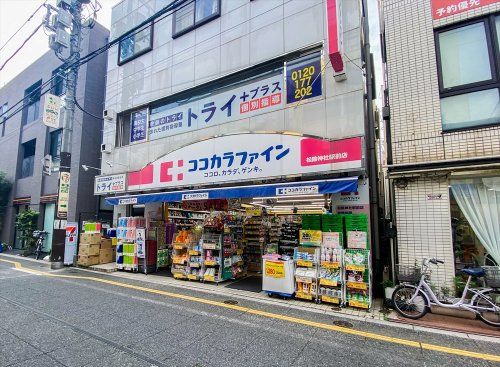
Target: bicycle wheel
{"x":487,"y":300}
{"x":401,"y":300}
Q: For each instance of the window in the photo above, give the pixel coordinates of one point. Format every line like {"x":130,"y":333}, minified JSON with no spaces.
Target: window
{"x":194,"y":14}
{"x":123,"y":130}
{"x":31,"y":109}
{"x":55,"y":147}
{"x":3,"y":109}
{"x":58,"y":84}
{"x":28,"y":158}
{"x":135,"y":45}
{"x":468,"y":62}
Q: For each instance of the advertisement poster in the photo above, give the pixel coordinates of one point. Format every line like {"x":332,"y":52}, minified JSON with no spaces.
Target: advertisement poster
{"x":51,"y":109}
{"x":138,"y":126}
{"x":70,"y":242}
{"x":140,"y":240}
{"x":274,"y":269}
{"x":357,"y":239}
{"x":246,"y":157}
{"x":109,"y":184}
{"x":303,"y":79}
{"x":446,"y":8}
{"x":247,"y":100}
{"x":63,"y":199}
{"x":310,"y":237}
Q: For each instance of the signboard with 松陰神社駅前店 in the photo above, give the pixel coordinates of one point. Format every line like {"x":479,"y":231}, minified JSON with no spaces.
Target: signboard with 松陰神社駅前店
{"x":246,"y":157}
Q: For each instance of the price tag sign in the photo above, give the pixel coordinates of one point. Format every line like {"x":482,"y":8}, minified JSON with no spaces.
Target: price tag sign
{"x":275,"y":269}
{"x":303,"y":79}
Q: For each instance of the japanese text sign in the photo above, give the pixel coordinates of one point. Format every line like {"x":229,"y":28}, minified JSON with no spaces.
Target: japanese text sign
{"x":303,"y":79}
{"x":109,"y":184}
{"x":445,"y":8}
{"x":274,"y":269}
{"x":63,"y":199}
{"x":237,"y":103}
{"x":138,"y":125}
{"x":246,"y":157}
{"x":51,"y":108}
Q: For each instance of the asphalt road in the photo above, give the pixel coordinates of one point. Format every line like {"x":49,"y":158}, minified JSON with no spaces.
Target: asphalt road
{"x":70,"y":319}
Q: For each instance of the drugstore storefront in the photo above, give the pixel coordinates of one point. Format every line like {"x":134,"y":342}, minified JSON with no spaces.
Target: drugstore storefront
{"x":262,"y":211}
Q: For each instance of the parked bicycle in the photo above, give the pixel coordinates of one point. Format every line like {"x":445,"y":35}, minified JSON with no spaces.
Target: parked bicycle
{"x":414,"y":301}
{"x":40,"y":237}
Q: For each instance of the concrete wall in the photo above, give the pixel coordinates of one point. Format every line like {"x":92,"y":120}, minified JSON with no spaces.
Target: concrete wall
{"x":246,"y":34}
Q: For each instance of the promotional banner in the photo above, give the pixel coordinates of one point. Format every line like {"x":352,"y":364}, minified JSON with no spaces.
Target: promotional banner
{"x":446,"y":8}
{"x":243,"y":101}
{"x":246,"y":157}
{"x":274,"y":269}
{"x":138,"y":126}
{"x":109,"y":184}
{"x":51,"y":109}
{"x":140,"y":240}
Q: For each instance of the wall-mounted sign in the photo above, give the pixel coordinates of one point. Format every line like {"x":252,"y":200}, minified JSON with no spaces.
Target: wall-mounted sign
{"x":446,"y":8}
{"x":109,"y":184}
{"x":246,"y":157}
{"x":303,"y":79}
{"x":138,"y":125}
{"x":51,"y":108}
{"x":233,"y":104}
{"x":127,"y":201}
{"x":353,"y":202}
{"x":297,"y":190}
{"x":63,"y":199}
{"x":195,"y":196}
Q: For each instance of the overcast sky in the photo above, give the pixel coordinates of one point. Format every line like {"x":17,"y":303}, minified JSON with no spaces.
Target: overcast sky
{"x":13,"y":13}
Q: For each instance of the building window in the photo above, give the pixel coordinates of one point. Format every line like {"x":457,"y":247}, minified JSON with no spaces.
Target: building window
{"x":135,"y":45}
{"x":28,"y":158}
{"x":58,"y":85}
{"x":468,"y":62}
{"x":123,"y":130}
{"x":55,"y":148}
{"x":31,"y":108}
{"x":194,"y":14}
{"x":3,"y":110}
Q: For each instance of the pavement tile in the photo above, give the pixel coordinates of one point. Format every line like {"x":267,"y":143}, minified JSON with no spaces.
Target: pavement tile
{"x":17,"y":351}
{"x":120,"y":359}
{"x":79,"y":354}
{"x":39,"y":361}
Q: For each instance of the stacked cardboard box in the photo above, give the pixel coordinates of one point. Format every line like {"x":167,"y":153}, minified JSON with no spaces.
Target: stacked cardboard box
{"x":88,"y":252}
{"x":107,"y":252}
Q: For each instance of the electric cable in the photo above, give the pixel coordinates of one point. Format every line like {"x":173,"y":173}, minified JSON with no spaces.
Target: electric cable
{"x":26,"y":22}
{"x":22,"y":45}
{"x":88,"y":113}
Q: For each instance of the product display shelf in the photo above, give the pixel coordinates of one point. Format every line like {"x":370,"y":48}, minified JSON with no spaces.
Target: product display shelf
{"x":357,"y":264}
{"x":184,"y":240}
{"x":331,"y":276}
{"x":212,"y":255}
{"x":254,"y":239}
{"x":157,"y":231}
{"x":233,"y":247}
{"x":306,"y":272}
{"x":126,"y":235}
{"x":186,"y":218}
{"x":129,"y":257}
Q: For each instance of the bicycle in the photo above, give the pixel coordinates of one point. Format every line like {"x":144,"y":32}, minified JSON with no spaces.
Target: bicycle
{"x":40,"y":236}
{"x":414,"y":301}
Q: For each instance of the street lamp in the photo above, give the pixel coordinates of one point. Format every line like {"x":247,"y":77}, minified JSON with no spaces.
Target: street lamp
{"x":86,"y":168}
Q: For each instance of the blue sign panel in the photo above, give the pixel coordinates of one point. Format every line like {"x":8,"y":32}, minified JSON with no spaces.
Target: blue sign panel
{"x":138,"y":125}
{"x":303,"y":79}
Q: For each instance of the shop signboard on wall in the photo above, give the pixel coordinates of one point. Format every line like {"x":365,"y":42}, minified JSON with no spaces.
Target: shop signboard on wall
{"x":352,"y":202}
{"x":446,"y":8}
{"x":138,"y":126}
{"x":246,"y":157}
{"x":303,"y":79}
{"x":63,"y":199}
{"x":109,"y":184}
{"x":51,"y":109}
{"x":234,"y":104}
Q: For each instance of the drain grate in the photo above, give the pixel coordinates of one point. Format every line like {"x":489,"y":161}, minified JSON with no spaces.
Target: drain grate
{"x":338,"y":309}
{"x":342,"y":324}
{"x":231,"y":302}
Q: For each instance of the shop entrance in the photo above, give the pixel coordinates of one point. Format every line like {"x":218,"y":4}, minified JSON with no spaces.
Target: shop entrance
{"x":283,"y":239}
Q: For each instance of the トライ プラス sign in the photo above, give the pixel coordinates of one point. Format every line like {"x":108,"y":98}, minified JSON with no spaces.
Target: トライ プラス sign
{"x":246,"y":157}
{"x":446,"y":8}
{"x":109,"y":184}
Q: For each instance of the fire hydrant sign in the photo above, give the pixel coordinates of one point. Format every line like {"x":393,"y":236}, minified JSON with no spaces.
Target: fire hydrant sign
{"x":446,"y":8}
{"x":275,"y":269}
{"x":51,"y":108}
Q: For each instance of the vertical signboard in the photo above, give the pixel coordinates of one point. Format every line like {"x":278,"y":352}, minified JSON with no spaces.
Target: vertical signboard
{"x":62,"y":203}
{"x":140,"y":240}
{"x":138,"y":126}
{"x":51,"y":108}
{"x":70,"y":242}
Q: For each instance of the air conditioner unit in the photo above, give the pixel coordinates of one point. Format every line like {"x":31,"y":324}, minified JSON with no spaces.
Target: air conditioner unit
{"x":109,"y":115}
{"x":105,"y":148}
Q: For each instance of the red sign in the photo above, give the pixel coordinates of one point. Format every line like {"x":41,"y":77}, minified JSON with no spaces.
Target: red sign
{"x":334,"y":20}
{"x":446,"y":8}
{"x":315,"y":152}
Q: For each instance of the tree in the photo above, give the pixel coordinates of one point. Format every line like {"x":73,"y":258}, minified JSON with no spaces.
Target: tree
{"x":26,"y":223}
{"x":5,"y":187}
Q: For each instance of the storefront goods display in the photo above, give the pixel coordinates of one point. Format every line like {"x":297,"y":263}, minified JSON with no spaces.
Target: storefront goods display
{"x":254,"y":239}
{"x":331,"y":270}
{"x":278,"y":276}
{"x":310,"y":237}
{"x":157,"y":231}
{"x":185,"y":217}
{"x":306,"y":272}
{"x":311,"y":222}
{"x":184,"y":240}
{"x":126,"y":251}
{"x":357,"y":265}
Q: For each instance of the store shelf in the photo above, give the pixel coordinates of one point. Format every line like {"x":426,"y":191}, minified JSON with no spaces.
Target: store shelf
{"x":307,"y":296}
{"x":328,"y":299}
{"x":306,"y":264}
{"x":328,"y":282}
{"x":357,"y":285}
{"x":330,"y":265}
{"x":210,"y":263}
{"x":194,"y":252}
{"x":180,"y":276}
{"x":355,"y":267}
{"x":192,"y":277}
{"x":189,"y":211}
{"x":359,"y":304}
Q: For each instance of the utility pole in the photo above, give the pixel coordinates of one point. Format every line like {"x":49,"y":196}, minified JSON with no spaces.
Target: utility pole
{"x":69,"y":13}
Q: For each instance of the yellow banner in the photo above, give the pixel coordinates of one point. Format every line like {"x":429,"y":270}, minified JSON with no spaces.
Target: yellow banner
{"x":310,"y":237}
{"x":275,"y":269}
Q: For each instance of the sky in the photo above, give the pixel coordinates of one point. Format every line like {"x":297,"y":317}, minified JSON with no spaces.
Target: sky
{"x":13,"y":13}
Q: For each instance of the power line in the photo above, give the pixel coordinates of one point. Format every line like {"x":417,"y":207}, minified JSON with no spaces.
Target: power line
{"x":88,"y":113}
{"x":22,"y":45}
{"x":26,"y":22}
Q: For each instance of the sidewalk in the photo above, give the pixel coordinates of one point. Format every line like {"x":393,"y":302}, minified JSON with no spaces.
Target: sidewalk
{"x":445,"y":325}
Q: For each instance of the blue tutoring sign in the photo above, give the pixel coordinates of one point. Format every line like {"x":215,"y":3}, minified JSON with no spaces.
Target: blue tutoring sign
{"x":303,"y":79}
{"x":138,"y":125}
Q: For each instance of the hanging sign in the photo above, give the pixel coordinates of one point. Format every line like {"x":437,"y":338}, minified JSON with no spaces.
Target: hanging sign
{"x":446,"y":8}
{"x":274,"y":269}
{"x":63,"y":199}
{"x":109,"y":184}
{"x":138,"y":126}
{"x":51,"y":109}
{"x":246,"y":157}
{"x":237,"y":103}
{"x":303,"y":79}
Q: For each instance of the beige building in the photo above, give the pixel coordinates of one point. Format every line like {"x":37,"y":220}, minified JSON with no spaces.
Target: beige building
{"x":442,"y":71}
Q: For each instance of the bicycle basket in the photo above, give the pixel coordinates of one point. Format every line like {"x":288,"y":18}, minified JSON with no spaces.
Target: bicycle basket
{"x":492,"y":276}
{"x":408,"y":273}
